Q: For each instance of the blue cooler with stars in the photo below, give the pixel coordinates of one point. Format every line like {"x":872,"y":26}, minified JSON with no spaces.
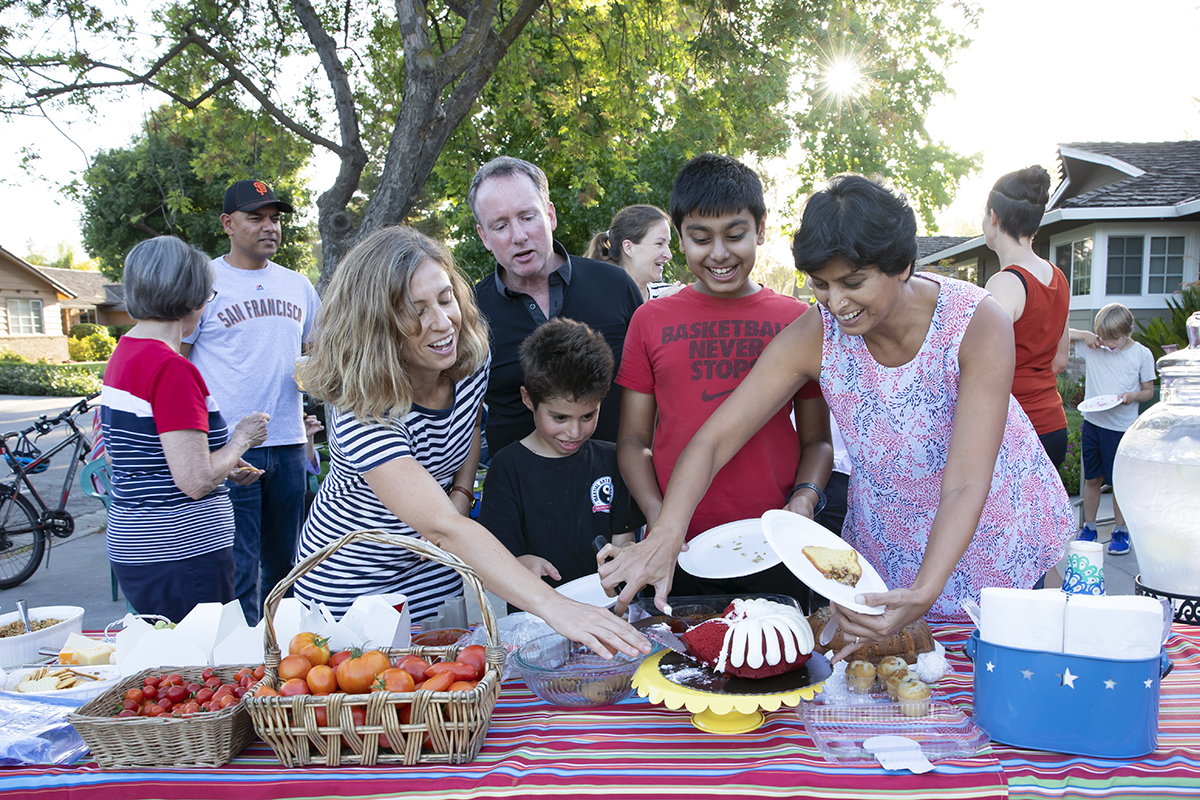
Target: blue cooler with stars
{"x":1067,"y":703}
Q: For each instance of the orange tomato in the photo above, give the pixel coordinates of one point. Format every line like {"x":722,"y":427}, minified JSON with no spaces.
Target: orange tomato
{"x":294,"y":667}
{"x":266,"y":691}
{"x":415,"y":666}
{"x":393,"y":680}
{"x":314,"y":648}
{"x":476,"y":656}
{"x":462,"y":686}
{"x":356,"y":674}
{"x":321,"y":679}
{"x":293,"y":687}
{"x":460,"y":671}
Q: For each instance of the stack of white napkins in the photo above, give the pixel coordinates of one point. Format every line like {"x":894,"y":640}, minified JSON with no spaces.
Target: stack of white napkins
{"x":1106,"y":626}
{"x":215,"y":634}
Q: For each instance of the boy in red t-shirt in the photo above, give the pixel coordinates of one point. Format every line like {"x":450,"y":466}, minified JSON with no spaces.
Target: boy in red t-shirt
{"x":686,"y":353}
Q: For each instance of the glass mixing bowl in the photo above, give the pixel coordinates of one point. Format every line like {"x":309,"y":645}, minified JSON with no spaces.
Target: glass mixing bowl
{"x":565,"y":673}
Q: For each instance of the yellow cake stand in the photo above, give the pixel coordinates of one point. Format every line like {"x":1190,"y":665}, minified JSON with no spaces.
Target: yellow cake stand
{"x":718,"y":712}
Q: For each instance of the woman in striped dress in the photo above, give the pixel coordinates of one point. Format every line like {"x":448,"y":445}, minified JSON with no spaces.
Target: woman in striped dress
{"x":400,"y":358}
{"x":170,"y":524}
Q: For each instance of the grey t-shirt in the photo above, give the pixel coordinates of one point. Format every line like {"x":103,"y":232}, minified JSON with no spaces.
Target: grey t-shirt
{"x":1115,"y":373}
{"x":247,"y":343}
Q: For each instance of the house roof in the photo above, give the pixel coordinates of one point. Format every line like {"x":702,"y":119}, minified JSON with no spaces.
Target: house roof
{"x":22,"y":264}
{"x":928,"y":245}
{"x":1127,"y":174}
{"x":91,"y":289}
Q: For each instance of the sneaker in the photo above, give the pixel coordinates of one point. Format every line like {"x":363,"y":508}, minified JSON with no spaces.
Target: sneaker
{"x":1086,"y":535}
{"x":1119,"y":545}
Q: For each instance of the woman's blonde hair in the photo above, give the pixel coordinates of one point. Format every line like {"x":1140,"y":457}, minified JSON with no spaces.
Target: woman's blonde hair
{"x":357,"y":358}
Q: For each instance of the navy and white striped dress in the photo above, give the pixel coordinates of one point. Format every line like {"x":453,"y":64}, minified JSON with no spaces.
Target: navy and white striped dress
{"x":440,"y":441}
{"x":150,"y":389}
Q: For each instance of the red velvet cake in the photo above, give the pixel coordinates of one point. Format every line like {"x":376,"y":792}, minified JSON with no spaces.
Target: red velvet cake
{"x":753,"y":639}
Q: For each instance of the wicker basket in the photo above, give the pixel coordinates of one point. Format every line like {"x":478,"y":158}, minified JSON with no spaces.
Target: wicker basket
{"x":443,"y":727}
{"x":201,"y":740}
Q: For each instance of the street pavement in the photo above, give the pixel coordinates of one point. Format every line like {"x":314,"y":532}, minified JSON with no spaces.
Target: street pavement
{"x":76,"y":571}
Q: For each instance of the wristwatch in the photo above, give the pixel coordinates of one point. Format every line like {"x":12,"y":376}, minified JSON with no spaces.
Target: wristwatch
{"x":822,"y":500}
{"x":471,"y":499}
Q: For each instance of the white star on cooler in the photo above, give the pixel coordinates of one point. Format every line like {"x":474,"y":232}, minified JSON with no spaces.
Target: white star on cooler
{"x":1067,"y":678}
{"x":1028,"y":675}
{"x":991,"y":667}
{"x":1110,"y":684}
{"x":1149,"y":681}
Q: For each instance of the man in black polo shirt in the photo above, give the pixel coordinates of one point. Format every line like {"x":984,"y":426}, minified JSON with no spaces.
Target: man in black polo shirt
{"x":536,"y":280}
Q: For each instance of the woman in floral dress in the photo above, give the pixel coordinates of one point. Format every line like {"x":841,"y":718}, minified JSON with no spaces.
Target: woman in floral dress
{"x":951,"y":490}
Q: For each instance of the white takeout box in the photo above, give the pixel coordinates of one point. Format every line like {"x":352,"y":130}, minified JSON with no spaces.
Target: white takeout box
{"x":374,"y":621}
{"x":210,"y":623}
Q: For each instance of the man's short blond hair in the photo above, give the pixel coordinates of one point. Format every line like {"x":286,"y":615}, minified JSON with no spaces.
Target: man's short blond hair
{"x":1114,"y":321}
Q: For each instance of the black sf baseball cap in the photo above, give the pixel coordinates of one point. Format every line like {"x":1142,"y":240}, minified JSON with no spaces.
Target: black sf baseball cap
{"x":249,"y":195}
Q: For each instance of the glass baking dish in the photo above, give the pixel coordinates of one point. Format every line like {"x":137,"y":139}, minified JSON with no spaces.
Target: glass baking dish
{"x":840,"y":730}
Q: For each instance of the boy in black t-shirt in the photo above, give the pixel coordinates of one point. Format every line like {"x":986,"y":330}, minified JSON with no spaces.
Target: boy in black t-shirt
{"x":548,"y":496}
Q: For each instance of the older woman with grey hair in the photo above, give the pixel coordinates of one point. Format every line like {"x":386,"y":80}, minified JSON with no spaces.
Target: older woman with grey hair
{"x":170,"y":523}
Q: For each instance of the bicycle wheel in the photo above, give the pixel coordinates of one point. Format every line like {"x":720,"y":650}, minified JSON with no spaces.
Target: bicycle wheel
{"x":22,"y":542}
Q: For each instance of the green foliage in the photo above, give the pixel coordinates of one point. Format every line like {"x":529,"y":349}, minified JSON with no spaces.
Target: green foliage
{"x":94,"y":347}
{"x":172,"y":180}
{"x":9,"y":357}
{"x":1172,"y":330}
{"x":639,"y":88}
{"x":85,"y":329}
{"x":1071,"y":391}
{"x":1073,"y":464}
{"x":117,"y":331}
{"x":53,"y":380}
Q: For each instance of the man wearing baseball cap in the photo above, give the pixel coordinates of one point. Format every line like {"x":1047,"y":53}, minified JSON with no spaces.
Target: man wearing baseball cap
{"x":246,"y":347}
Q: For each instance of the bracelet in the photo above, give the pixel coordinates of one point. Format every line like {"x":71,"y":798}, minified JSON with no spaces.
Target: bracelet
{"x":467,"y":492}
{"x":822,"y":500}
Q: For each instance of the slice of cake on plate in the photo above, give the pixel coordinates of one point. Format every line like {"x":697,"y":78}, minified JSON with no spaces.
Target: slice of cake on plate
{"x":753,"y":639}
{"x":836,"y":564}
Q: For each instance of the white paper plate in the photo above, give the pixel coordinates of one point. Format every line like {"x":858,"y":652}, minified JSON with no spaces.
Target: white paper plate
{"x":1101,"y":402}
{"x":587,"y":590}
{"x":109,"y":676}
{"x":790,"y":533}
{"x":731,"y":550}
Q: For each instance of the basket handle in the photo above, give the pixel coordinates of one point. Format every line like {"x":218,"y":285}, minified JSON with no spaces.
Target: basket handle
{"x":411,"y":543}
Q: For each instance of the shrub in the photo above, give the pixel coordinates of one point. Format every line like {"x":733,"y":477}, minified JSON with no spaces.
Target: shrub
{"x":9,"y":357}
{"x":1073,"y":464}
{"x":85,"y":329}
{"x":1071,"y":391}
{"x":53,"y":380}
{"x":117,"y":331}
{"x":1172,"y":330}
{"x":95,"y":347}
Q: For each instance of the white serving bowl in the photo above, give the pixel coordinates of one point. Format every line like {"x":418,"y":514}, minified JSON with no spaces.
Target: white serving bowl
{"x":23,"y":649}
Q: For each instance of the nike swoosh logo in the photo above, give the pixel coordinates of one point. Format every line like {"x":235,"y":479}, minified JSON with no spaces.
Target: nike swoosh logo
{"x":705,"y":397}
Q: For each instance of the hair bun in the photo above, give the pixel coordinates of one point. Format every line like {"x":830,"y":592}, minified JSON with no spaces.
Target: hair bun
{"x":1038,"y":179}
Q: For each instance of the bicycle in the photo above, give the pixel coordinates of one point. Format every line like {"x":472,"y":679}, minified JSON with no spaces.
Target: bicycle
{"x":26,"y":532}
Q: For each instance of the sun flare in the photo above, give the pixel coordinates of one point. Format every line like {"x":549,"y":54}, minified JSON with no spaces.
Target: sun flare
{"x":842,"y":78}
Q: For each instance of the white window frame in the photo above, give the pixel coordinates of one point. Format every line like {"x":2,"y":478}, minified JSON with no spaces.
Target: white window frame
{"x":1100,"y":233}
{"x":32,"y":316}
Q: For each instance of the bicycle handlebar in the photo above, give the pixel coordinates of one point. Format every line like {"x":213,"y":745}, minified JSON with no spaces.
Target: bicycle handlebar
{"x":45,"y":425}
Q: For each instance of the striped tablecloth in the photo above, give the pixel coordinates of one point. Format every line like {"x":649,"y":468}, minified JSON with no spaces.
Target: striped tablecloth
{"x":636,"y":749}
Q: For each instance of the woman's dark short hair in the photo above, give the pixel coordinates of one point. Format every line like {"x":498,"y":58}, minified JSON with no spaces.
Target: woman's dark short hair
{"x":165,"y":279}
{"x":565,"y":358}
{"x":710,"y":185}
{"x":1019,"y":200}
{"x":859,"y":221}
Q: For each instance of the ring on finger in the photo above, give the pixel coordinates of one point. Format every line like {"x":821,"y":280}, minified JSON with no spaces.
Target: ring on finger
{"x":857,"y":639}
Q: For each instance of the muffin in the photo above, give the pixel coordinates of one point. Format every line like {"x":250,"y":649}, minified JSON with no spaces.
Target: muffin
{"x":913,"y":697}
{"x":889,"y":667}
{"x":860,"y":676}
{"x":897,"y":678}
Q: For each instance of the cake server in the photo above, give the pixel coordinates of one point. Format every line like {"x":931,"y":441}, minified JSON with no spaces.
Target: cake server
{"x":663,"y":636}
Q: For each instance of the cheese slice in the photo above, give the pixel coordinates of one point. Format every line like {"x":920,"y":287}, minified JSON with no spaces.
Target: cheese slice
{"x":98,"y":653}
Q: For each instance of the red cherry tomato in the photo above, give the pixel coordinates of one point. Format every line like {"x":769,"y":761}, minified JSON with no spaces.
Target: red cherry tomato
{"x":294,"y":687}
{"x":127,"y":713}
{"x":244,"y":672}
{"x":439,"y":682}
{"x":151,"y":680}
{"x":135,"y":695}
{"x":415,"y":666}
{"x":204,"y":695}
{"x":177,"y":693}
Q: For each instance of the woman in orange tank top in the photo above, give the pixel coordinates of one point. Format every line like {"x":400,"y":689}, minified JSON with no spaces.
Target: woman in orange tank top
{"x":1036,"y":296}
